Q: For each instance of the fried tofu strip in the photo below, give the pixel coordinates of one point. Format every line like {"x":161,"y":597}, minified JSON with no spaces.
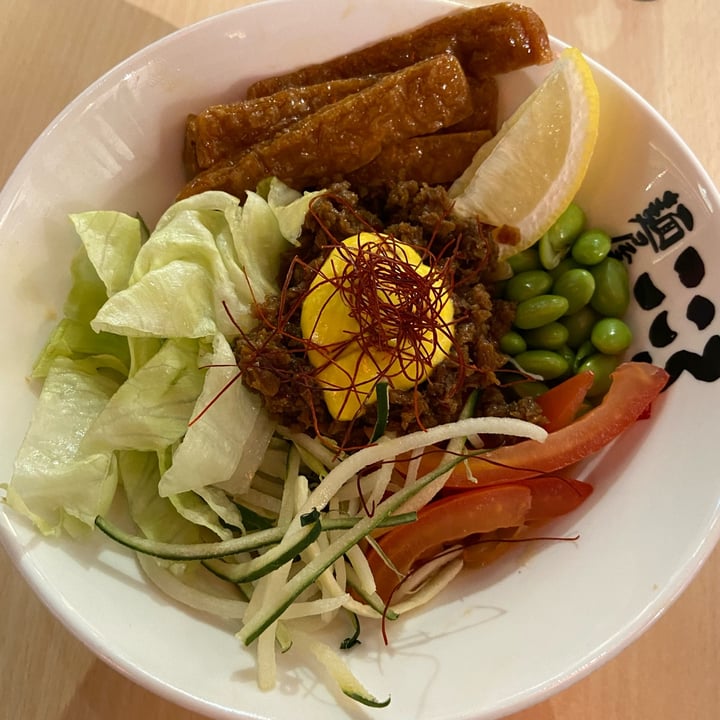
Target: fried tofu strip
{"x":433,"y":159}
{"x":485,"y":97}
{"x":221,"y":131}
{"x":487,"y":40}
{"x":348,"y":134}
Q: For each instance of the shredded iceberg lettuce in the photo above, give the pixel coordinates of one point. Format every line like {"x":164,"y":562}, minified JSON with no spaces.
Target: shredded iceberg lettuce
{"x":140,"y":373}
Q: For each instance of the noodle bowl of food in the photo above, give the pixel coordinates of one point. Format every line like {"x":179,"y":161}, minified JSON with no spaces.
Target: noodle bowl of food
{"x":364,"y":363}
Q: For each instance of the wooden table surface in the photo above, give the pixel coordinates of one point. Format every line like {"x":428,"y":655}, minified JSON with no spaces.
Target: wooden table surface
{"x":666,"y":49}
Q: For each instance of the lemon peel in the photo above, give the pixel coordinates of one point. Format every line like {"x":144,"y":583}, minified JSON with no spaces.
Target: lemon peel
{"x":527,"y":174}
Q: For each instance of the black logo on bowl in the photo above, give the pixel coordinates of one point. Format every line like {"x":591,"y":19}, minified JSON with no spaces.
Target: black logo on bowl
{"x":665,"y":222}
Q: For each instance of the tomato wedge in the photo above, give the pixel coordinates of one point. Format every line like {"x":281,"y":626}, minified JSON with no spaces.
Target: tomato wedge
{"x":446,"y":521}
{"x":561,"y":404}
{"x":634,"y":386}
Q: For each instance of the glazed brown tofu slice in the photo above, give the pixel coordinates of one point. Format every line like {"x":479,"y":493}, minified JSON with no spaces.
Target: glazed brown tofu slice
{"x":340,"y":138}
{"x":223,"y":130}
{"x":487,"y":40}
{"x":433,"y":159}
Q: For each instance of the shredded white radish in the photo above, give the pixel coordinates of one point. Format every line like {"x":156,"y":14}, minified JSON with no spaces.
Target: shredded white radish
{"x":431,"y":589}
{"x":353,"y":464}
{"x":197,"y":599}
{"x":316,"y":607}
{"x":418,"y":578}
{"x":364,"y":577}
{"x":315,"y":447}
{"x":256,"y":499}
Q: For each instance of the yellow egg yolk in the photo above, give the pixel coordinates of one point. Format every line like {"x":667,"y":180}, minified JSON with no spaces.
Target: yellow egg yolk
{"x":375,"y":311}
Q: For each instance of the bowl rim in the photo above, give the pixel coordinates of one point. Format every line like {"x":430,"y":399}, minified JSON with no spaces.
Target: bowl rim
{"x":76,"y":624}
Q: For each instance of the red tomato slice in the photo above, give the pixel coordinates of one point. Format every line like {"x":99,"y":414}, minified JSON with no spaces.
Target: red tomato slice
{"x":446,"y":521}
{"x":553,"y":496}
{"x":634,"y":386}
{"x":560,"y":404}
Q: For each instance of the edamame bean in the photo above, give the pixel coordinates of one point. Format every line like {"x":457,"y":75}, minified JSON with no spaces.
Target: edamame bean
{"x":579,"y":325}
{"x":602,"y":366}
{"x":528,"y":259}
{"x":539,"y":310}
{"x":611,"y":336}
{"x":555,"y":243}
{"x":591,"y":247}
{"x":530,"y":388}
{"x":567,"y":264}
{"x":512,"y":343}
{"x":583,"y":353}
{"x":612,"y":288}
{"x":577,"y":286}
{"x":527,"y":284}
{"x":547,"y":337}
{"x":545,"y":363}
{"x":567,"y":352}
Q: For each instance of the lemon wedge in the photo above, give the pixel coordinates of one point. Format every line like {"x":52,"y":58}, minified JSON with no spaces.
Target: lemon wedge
{"x":374,"y":311}
{"x":527,"y":174}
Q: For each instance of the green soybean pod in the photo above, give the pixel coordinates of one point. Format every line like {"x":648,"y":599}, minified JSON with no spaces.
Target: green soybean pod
{"x":591,"y":247}
{"x":612,"y":288}
{"x":512,"y":343}
{"x":528,"y":259}
{"x":602,"y":366}
{"x":579,"y":325}
{"x":527,"y":284}
{"x":539,"y":310}
{"x":547,"y":364}
{"x":554,"y":245}
{"x":611,"y":336}
{"x":577,"y":285}
{"x":547,"y":337}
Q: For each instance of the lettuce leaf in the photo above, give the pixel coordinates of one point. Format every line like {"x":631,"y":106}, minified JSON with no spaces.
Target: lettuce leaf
{"x":151,"y":410}
{"x":55,"y":482}
{"x":140,"y":374}
{"x":225,"y":414}
{"x":156,"y":517}
{"x":112,"y":241}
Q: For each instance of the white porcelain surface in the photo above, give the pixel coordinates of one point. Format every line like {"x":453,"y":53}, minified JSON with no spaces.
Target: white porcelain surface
{"x":499,"y":640}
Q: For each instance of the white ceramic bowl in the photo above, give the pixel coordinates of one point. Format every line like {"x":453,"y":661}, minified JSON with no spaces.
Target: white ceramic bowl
{"x":499,"y":640}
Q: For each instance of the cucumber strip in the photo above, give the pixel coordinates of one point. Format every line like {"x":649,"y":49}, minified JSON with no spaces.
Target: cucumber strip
{"x":266,"y":659}
{"x":371,"y":600}
{"x":382,"y":404}
{"x":353,"y":639}
{"x":270,"y":560}
{"x":196,"y":551}
{"x":312,"y":571}
{"x":283,"y":637}
{"x":340,"y":672}
{"x":245,"y":543}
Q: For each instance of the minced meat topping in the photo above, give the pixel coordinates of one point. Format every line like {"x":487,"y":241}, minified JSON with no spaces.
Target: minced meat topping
{"x":272,"y":358}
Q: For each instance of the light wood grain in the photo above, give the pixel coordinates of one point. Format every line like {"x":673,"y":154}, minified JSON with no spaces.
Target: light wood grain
{"x":667,"y":51}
